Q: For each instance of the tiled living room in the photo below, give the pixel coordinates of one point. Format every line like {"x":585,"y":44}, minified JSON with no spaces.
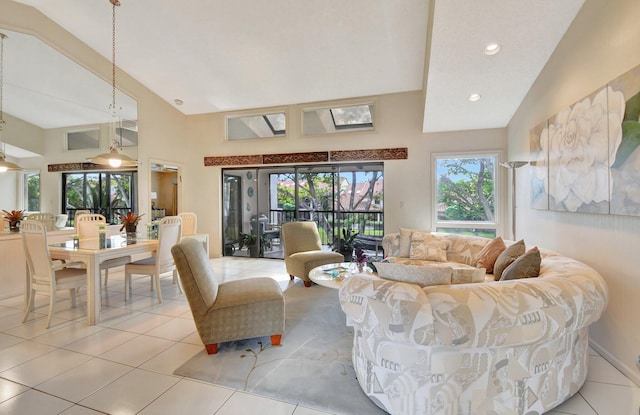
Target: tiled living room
{"x":125,"y":364}
{"x":560,"y":82}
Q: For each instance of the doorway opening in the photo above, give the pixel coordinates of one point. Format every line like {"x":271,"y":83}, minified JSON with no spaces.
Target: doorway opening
{"x":257,"y":201}
{"x":164,"y":189}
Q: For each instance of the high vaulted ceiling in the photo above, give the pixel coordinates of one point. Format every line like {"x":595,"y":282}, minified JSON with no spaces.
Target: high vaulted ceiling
{"x":223,"y":55}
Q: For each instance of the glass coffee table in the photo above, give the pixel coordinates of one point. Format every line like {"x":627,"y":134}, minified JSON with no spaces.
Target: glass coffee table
{"x":332,"y":275}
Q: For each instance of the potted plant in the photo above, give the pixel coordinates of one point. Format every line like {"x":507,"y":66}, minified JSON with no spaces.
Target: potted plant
{"x":346,"y":243}
{"x":14,"y":218}
{"x":129,"y":222}
{"x":250,"y":240}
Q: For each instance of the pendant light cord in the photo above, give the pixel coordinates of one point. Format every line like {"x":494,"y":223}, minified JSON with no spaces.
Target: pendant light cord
{"x":113,"y":58}
{"x":2,"y":36}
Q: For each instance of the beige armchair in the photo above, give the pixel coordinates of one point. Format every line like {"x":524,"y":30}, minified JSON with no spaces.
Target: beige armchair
{"x":232,"y":310}
{"x":303,"y":250}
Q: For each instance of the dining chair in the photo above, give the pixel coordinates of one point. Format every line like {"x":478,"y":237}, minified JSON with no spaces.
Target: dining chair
{"x":48,"y":219}
{"x":80,"y":212}
{"x":45,"y":274}
{"x":169,"y":234}
{"x":87,"y":225}
{"x":189,"y":223}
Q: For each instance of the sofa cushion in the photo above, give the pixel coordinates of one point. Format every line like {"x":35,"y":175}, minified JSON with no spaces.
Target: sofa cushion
{"x":415,"y":274}
{"x":404,"y":247}
{"x":487,"y":256}
{"x":463,"y":248}
{"x":467,"y":275}
{"x":429,"y":247}
{"x":526,"y":266}
{"x":507,"y":257}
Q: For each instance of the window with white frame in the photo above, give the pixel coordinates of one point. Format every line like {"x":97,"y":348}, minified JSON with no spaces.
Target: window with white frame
{"x":465,"y":195}
{"x":31,"y":191}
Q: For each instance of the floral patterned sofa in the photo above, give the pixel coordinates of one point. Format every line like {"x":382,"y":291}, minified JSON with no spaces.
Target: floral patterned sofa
{"x":505,"y":347}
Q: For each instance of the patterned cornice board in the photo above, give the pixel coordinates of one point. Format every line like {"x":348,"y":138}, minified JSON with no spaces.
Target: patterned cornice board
{"x":62,"y":167}
{"x":401,"y":153}
{"x":232,"y":160}
{"x":316,"y":157}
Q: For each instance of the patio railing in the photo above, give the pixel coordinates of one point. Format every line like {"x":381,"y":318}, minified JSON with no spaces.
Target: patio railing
{"x":330,"y":222}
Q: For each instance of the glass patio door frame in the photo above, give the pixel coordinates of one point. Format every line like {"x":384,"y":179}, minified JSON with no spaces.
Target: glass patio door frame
{"x":321,"y":206}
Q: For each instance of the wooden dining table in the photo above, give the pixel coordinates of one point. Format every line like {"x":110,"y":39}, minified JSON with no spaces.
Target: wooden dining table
{"x":89,"y":252}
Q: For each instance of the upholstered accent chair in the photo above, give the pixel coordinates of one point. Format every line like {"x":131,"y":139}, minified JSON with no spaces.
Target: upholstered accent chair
{"x":87,"y":225}
{"x":46,"y":275}
{"x":233,"y":310}
{"x":303,"y":250}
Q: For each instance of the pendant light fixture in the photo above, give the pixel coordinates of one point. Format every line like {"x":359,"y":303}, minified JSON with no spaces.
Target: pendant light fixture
{"x":4,"y":165}
{"x":114,"y":158}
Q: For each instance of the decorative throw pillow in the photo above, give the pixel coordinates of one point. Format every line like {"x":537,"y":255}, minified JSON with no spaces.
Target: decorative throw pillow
{"x":415,"y":274}
{"x":404,"y":247}
{"x":487,"y":256}
{"x":507,"y":257}
{"x":428,"y":247}
{"x":526,"y":266}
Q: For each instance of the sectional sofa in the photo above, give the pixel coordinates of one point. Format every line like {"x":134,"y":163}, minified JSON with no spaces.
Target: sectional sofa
{"x":517,"y":346}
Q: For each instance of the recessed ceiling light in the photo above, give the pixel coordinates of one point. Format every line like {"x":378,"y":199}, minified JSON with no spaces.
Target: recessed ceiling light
{"x":178,"y":101}
{"x":491,"y":49}
{"x":474,"y":97}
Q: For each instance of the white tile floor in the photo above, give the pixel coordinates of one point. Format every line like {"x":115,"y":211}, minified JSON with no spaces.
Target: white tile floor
{"x":125,"y":364}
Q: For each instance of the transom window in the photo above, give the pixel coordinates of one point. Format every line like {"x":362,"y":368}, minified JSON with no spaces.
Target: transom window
{"x":246,"y":127}
{"x":465,"y":194}
{"x":357,"y":116}
{"x":82,"y":140}
{"x":338,"y":119}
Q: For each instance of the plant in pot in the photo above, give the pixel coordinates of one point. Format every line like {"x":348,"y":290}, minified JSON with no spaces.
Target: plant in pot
{"x":250,"y":240}
{"x":346,"y":243}
{"x":129,"y":222}
{"x":14,"y":218}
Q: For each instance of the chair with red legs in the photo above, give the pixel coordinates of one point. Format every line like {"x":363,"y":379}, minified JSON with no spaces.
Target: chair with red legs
{"x":233,"y":310}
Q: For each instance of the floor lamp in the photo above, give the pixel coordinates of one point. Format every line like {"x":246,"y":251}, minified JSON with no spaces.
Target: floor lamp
{"x":513,"y":165}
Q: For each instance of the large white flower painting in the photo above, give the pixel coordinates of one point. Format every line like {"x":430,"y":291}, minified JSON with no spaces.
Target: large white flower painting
{"x":581,"y":152}
{"x":587,"y":157}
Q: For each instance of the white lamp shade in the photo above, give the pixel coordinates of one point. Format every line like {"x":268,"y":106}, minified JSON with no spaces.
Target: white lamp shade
{"x":113,"y":159}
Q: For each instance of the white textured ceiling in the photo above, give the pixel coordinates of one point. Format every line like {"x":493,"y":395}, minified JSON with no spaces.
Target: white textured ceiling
{"x":221,"y":55}
{"x":528,"y":31}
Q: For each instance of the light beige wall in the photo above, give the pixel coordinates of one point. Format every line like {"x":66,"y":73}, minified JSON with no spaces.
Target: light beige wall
{"x":407,"y":182}
{"x":161,"y":127}
{"x":22,"y":134}
{"x":27,"y":136}
{"x":602,"y":43}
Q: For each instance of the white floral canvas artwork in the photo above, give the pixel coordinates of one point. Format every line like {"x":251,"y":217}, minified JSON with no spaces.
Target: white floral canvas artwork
{"x":539,"y":151}
{"x":625,"y":168}
{"x":583,"y":141}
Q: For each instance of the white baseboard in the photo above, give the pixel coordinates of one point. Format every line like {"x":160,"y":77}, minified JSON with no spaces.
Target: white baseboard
{"x":630,"y":372}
